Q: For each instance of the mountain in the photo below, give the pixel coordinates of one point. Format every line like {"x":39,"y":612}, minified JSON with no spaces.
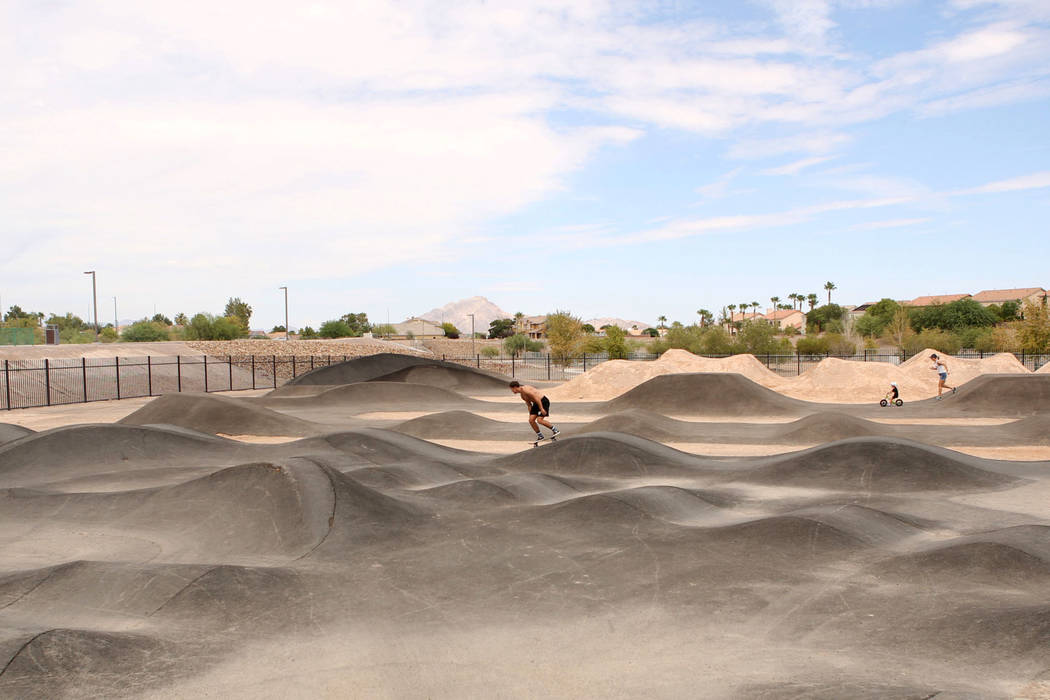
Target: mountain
{"x":458,"y":312}
{"x":624,"y":324}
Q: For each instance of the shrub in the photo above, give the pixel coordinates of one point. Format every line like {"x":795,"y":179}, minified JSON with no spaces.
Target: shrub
{"x":335,"y":329}
{"x":812,"y":345}
{"x":450,"y":330}
{"x":108,"y":335}
{"x":307,"y":333}
{"x":384,"y":330}
{"x":790,"y":331}
{"x":615,"y":343}
{"x":490,"y":351}
{"x":144,"y":332}
{"x":504,"y":328}
{"x":519,"y":343}
{"x":840,"y":345}
{"x":954,"y":316}
{"x":826,"y":318}
{"x":1034,"y":331}
{"x":942,"y":341}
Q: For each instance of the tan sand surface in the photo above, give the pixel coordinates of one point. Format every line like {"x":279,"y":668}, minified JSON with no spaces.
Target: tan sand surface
{"x":831,"y":381}
{"x":943,"y":421}
{"x":261,"y":439}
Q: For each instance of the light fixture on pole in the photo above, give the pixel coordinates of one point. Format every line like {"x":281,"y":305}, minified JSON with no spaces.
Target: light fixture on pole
{"x":286,"y":329}
{"x":94,"y":300}
{"x":471,"y":334}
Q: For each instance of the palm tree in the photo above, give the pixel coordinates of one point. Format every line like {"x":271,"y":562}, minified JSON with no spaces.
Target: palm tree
{"x":829,"y":286}
{"x":801,"y":298}
{"x":704,"y":315}
{"x":793,"y":297}
{"x":732,"y":308}
{"x":812,"y":299}
{"x":754,"y":310}
{"x":775,"y":301}
{"x":662,"y":320}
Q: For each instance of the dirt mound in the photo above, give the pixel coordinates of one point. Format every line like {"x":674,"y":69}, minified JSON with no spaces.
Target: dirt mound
{"x":1045,"y":369}
{"x":707,"y":394}
{"x":611,"y":379}
{"x":363,"y":369}
{"x":602,"y":454}
{"x":455,"y":378}
{"x":10,"y":431}
{"x":218,"y":414}
{"x":886,"y":465}
{"x":1002,"y":395}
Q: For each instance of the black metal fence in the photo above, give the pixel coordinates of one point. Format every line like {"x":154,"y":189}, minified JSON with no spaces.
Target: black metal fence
{"x":53,"y":382}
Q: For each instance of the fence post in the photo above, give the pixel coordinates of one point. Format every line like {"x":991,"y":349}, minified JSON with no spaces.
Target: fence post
{"x":83,"y":375}
{"x":149,"y":373}
{"x":275,"y":371}
{"x":511,"y":366}
{"x":47,"y":379}
{"x":229,"y":358}
{"x":584,"y":362}
{"x":311,"y":362}
{"x":293,"y":366}
{"x":7,"y":382}
{"x":479,"y":361}
{"x":178,"y":371}
{"x":253,"y":371}
{"x":205,"y":374}
{"x":799,"y":359}
{"x":548,"y":367}
{"x":116,"y":367}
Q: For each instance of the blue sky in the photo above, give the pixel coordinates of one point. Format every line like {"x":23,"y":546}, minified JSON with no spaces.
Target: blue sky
{"x":606,"y":158}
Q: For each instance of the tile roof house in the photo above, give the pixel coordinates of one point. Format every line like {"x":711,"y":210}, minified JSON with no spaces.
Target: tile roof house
{"x":782,"y":318}
{"x":936,"y":299}
{"x":998,"y":296}
{"x":533,"y":326}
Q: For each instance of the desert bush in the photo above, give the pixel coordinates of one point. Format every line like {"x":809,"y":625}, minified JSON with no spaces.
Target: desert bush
{"x":812,"y":345}
{"x":307,"y":333}
{"x":516,"y":344}
{"x":336,"y":328}
{"x":839,"y":344}
{"x":108,"y":335}
{"x":145,"y":331}
{"x":1033,"y":333}
{"x":759,"y":338}
{"x":490,"y":351}
{"x":944,"y":341}
{"x":384,"y":330}
{"x":451,"y":332}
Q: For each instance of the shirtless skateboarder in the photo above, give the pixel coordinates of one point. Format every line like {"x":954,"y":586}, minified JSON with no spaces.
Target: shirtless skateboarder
{"x":539,"y":408}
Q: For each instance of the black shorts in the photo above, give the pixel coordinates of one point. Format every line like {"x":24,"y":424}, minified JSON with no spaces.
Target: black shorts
{"x":535,"y":410}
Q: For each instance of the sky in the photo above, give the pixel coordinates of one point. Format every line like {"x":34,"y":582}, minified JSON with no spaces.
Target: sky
{"x":610,"y":159}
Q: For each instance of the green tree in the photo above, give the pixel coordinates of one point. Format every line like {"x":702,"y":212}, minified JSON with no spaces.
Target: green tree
{"x":235,"y":308}
{"x":589,"y":329}
{"x":826,"y":318}
{"x":337,"y":328}
{"x":662,"y":320}
{"x":307,"y":333}
{"x":877,"y":317}
{"x":759,"y":338}
{"x":358,"y":323}
{"x":161,"y":319}
{"x":812,"y":299}
{"x":954,"y":316}
{"x":501,"y":328}
{"x":180,"y":319}
{"x":516,"y":344}
{"x":145,"y":331}
{"x":565,"y":336}
{"x":67,"y":322}
{"x":898,"y":330}
{"x":278,"y":329}
{"x":450,"y":330}
{"x":1034,"y":331}
{"x":615,"y":343}
{"x":383,"y":330}
{"x":108,"y":335}
{"x":829,"y":286}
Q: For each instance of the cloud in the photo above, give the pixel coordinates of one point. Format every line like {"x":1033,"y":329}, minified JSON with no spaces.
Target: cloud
{"x":794,"y":168}
{"x":1031,"y":181}
{"x":889,"y":223}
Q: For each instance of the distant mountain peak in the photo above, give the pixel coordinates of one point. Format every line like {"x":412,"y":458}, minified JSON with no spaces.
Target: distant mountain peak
{"x":458,"y":314}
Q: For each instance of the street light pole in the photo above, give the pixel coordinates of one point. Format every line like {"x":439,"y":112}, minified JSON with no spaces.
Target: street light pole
{"x":94,"y":300}
{"x":116,"y":324}
{"x":286,"y":329}
{"x":471,"y":333}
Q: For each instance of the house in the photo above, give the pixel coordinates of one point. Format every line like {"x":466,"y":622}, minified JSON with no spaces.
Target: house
{"x":998,"y":296}
{"x":419,"y":328}
{"x":533,"y":326}
{"x":783,"y":318}
{"x":935,"y":299}
{"x":858,"y":311}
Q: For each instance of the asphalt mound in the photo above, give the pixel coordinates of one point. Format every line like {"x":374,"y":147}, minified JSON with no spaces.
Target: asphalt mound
{"x":643,"y":423}
{"x":219,"y":414}
{"x":1033,"y":430}
{"x":536,"y":489}
{"x":869,"y":525}
{"x":456,"y":378}
{"x":672,"y":504}
{"x":10,"y":431}
{"x":983,"y":562}
{"x":383,"y":447}
{"x":460,"y":424}
{"x":786,"y":537}
{"x":707,"y":394}
{"x":886,"y":465}
{"x":828,"y":426}
{"x":79,"y":450}
{"x":1001,"y":395}
{"x":87,"y":663}
{"x":471,"y":493}
{"x":363,"y":369}
{"x":603,"y":454}
{"x":378,"y":396}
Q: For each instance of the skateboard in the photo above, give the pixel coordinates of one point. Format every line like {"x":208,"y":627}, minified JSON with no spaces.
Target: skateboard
{"x":537,"y":443}
{"x":886,"y":402}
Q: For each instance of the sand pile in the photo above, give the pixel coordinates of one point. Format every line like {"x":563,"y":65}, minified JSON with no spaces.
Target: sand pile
{"x":832,"y":380}
{"x":610,"y":379}
{"x":1045,"y":369}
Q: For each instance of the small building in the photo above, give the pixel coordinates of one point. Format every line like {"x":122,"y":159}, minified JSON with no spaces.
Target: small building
{"x":419,"y":328}
{"x":989,"y":297}
{"x":784,"y":318}
{"x":858,"y":311}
